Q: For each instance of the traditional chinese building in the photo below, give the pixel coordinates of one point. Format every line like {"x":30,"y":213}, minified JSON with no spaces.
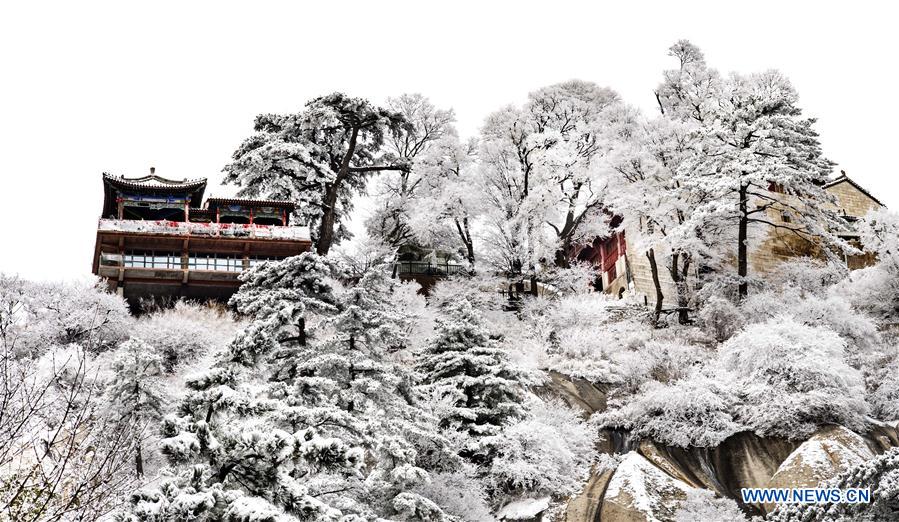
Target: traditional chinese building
{"x":157,"y":238}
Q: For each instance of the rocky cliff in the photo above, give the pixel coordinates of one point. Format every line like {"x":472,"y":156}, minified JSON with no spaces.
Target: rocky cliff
{"x":650,"y":480}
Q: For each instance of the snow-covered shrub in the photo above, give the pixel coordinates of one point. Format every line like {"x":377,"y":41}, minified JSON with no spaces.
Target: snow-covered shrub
{"x":859,"y":330}
{"x":459,"y":493}
{"x":662,"y":361}
{"x":482,"y":291}
{"x":721,"y":318}
{"x":703,"y":505}
{"x":808,"y":276}
{"x":188,"y":330}
{"x":79,"y":312}
{"x":875,"y":289}
{"x":547,"y":453}
{"x":580,"y":333}
{"x":882,"y":378}
{"x":819,"y":310}
{"x":690,"y":412}
{"x":791,"y":378}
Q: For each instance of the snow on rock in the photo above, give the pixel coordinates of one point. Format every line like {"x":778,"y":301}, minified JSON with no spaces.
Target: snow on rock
{"x":524,"y":509}
{"x":829,"y":452}
{"x":587,"y":504}
{"x":641,"y":492}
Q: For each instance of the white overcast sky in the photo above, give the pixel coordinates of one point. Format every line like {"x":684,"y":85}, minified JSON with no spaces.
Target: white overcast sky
{"x":87,"y":87}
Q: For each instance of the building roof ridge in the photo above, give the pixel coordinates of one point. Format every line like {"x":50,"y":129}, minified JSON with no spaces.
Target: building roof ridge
{"x":844,"y":177}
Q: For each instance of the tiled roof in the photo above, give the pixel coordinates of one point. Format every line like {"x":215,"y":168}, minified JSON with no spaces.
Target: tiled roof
{"x":844,"y":178}
{"x":211,"y":202}
{"x":153,"y":182}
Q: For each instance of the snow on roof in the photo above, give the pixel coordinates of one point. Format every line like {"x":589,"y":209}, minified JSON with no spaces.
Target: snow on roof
{"x":154,"y":181}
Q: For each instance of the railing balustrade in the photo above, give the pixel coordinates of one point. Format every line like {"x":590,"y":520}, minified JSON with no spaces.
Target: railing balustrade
{"x":430,"y":268}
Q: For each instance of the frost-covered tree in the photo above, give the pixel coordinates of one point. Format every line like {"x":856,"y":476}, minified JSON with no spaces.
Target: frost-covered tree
{"x":63,"y":457}
{"x":303,"y":416}
{"x":449,"y":204}
{"x":543,"y":180}
{"x":758,"y":153}
{"x":477,"y":388}
{"x":875,"y":289}
{"x":399,"y":191}
{"x":135,"y":392}
{"x":650,"y":159}
{"x":81,"y":312}
{"x":318,"y":158}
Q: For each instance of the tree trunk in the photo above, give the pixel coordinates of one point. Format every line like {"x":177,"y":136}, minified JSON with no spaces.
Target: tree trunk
{"x":679,"y":276}
{"x":326,"y":227}
{"x":465,"y":236}
{"x":651,"y":255}
{"x":302,"y":333}
{"x":562,"y":260}
{"x":139,"y":461}
{"x":742,"y":250}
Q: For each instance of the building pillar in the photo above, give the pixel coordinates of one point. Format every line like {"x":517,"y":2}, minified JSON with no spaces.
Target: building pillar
{"x":602,"y":256}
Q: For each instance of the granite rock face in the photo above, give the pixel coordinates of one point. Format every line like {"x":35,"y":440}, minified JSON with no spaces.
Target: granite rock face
{"x":651,"y":480}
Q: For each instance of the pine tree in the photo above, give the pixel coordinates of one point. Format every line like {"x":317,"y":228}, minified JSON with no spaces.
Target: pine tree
{"x":760,"y":165}
{"x":135,"y":391}
{"x":472,"y":377}
{"x":318,"y":158}
{"x":303,"y":416}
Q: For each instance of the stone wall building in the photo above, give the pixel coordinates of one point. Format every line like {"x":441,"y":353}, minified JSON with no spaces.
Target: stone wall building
{"x":623,"y":269}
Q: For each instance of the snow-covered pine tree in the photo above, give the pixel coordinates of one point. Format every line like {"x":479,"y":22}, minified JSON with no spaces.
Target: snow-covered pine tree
{"x":318,"y":158}
{"x":135,"y":391}
{"x":352,"y":367}
{"x":302,"y":417}
{"x":471,"y":377}
{"x":231,"y":457}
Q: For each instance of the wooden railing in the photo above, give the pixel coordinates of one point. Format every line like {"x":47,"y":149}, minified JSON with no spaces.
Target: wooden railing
{"x":180,"y":228}
{"x":430,"y":268}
